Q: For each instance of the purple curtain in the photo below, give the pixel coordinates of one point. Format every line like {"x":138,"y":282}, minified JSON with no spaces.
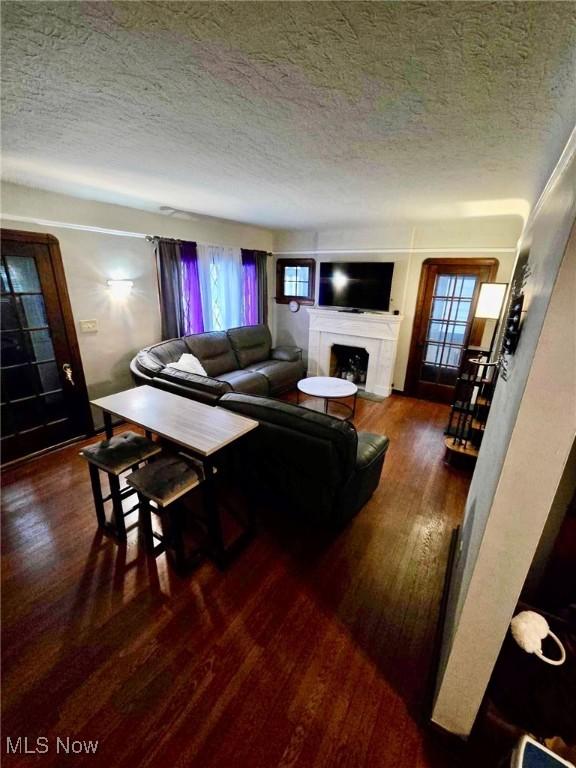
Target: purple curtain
{"x":193,"y":321}
{"x":179,"y":284}
{"x":250,"y":289}
{"x":255,"y":291}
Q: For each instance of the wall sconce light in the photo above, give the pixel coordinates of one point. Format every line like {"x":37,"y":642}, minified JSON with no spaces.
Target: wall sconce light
{"x":120,"y":288}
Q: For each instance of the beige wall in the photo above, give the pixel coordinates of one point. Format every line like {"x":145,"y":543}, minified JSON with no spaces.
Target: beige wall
{"x":414,"y":245}
{"x":527,"y":442}
{"x":91,"y":258}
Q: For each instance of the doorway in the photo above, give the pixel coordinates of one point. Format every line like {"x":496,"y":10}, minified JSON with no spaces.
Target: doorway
{"x":444,"y":324}
{"x":44,"y":397}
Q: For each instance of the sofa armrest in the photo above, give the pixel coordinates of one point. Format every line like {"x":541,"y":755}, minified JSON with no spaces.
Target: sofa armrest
{"x":370,"y":455}
{"x":370,"y":448}
{"x":138,"y":375}
{"x":194,"y":380}
{"x":287,"y":354}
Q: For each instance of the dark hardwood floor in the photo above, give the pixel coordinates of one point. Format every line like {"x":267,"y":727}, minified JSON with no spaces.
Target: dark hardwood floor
{"x":305,"y":652}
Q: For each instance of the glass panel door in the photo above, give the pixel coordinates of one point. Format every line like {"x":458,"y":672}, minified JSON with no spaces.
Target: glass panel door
{"x":448,"y":327}
{"x":32,"y":392}
{"x":444,"y":324}
{"x":41,"y":406}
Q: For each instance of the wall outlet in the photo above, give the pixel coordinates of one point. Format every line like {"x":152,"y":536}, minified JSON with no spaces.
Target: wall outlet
{"x":88,"y":326}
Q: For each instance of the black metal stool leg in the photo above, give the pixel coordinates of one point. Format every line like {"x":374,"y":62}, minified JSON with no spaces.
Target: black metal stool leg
{"x":213,"y":522}
{"x":108,"y":428}
{"x":97,"y":494}
{"x":176,"y":534}
{"x":145,"y":523}
{"x":118,"y":511}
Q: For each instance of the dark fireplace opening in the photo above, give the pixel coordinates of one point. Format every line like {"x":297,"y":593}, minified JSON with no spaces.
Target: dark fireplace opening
{"x":350,"y":363}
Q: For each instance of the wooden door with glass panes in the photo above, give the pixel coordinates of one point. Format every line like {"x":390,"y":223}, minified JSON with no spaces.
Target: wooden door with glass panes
{"x":44,"y":398}
{"x":444,"y":324}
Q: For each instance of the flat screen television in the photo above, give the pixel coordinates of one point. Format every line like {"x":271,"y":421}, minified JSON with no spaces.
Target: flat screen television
{"x":356,"y":284}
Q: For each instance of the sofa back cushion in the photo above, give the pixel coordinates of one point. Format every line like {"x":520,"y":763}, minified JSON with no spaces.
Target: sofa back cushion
{"x":301,"y":456}
{"x":251,"y":343}
{"x":151,"y":360}
{"x":213,"y":350}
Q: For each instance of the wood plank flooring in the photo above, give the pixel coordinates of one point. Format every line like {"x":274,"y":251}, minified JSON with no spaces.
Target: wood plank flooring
{"x":306,"y":652}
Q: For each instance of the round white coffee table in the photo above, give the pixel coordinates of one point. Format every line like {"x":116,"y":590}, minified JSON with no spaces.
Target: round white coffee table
{"x":329,"y":388}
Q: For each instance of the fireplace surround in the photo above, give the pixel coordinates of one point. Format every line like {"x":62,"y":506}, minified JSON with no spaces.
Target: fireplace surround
{"x":376,"y":333}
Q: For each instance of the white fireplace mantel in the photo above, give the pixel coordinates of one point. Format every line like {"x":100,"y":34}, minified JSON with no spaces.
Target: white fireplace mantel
{"x":377,"y":333}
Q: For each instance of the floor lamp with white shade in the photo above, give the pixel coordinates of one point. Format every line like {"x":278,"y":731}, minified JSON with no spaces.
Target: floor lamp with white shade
{"x":489,"y":306}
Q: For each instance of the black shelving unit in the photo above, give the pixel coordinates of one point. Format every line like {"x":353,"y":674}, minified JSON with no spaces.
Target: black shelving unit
{"x":472,"y":400}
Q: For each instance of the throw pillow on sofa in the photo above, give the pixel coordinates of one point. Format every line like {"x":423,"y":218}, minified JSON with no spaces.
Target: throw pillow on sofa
{"x":189,"y":364}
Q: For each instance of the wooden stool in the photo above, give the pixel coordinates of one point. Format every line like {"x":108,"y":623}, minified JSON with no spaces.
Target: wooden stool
{"x":114,"y":456}
{"x":164,"y":482}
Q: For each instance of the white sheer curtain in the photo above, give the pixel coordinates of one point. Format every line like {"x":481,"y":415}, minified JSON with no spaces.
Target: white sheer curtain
{"x":220,"y":273}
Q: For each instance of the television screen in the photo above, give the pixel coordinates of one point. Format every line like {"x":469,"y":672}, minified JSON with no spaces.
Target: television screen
{"x":356,"y":285}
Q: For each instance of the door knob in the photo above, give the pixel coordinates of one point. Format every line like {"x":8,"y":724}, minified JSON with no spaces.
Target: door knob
{"x":67,"y":368}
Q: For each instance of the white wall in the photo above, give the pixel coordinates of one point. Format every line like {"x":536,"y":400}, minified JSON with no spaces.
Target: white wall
{"x":414,"y":244}
{"x":525,"y":448}
{"x":91,"y":258}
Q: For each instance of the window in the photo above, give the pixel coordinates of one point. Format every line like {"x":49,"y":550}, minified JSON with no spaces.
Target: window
{"x":220,"y":277}
{"x":232,"y":286}
{"x":209,"y":287}
{"x":295,"y":280}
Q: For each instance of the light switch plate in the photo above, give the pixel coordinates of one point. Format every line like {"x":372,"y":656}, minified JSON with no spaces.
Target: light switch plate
{"x":88,"y":326}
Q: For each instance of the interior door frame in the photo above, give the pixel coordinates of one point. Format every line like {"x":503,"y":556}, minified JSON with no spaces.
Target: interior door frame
{"x":412,"y":369}
{"x":84,"y":413}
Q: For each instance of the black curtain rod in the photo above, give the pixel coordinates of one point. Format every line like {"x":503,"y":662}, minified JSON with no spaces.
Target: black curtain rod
{"x":153,"y":238}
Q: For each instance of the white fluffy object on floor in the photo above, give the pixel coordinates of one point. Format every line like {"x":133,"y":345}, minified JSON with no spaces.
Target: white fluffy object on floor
{"x":529,"y":629}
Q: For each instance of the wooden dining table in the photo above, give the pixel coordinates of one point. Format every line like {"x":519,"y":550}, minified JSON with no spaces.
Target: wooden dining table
{"x":202,"y":430}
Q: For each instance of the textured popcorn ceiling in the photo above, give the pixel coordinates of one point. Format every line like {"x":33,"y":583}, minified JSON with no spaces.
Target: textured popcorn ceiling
{"x":290,"y":114}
